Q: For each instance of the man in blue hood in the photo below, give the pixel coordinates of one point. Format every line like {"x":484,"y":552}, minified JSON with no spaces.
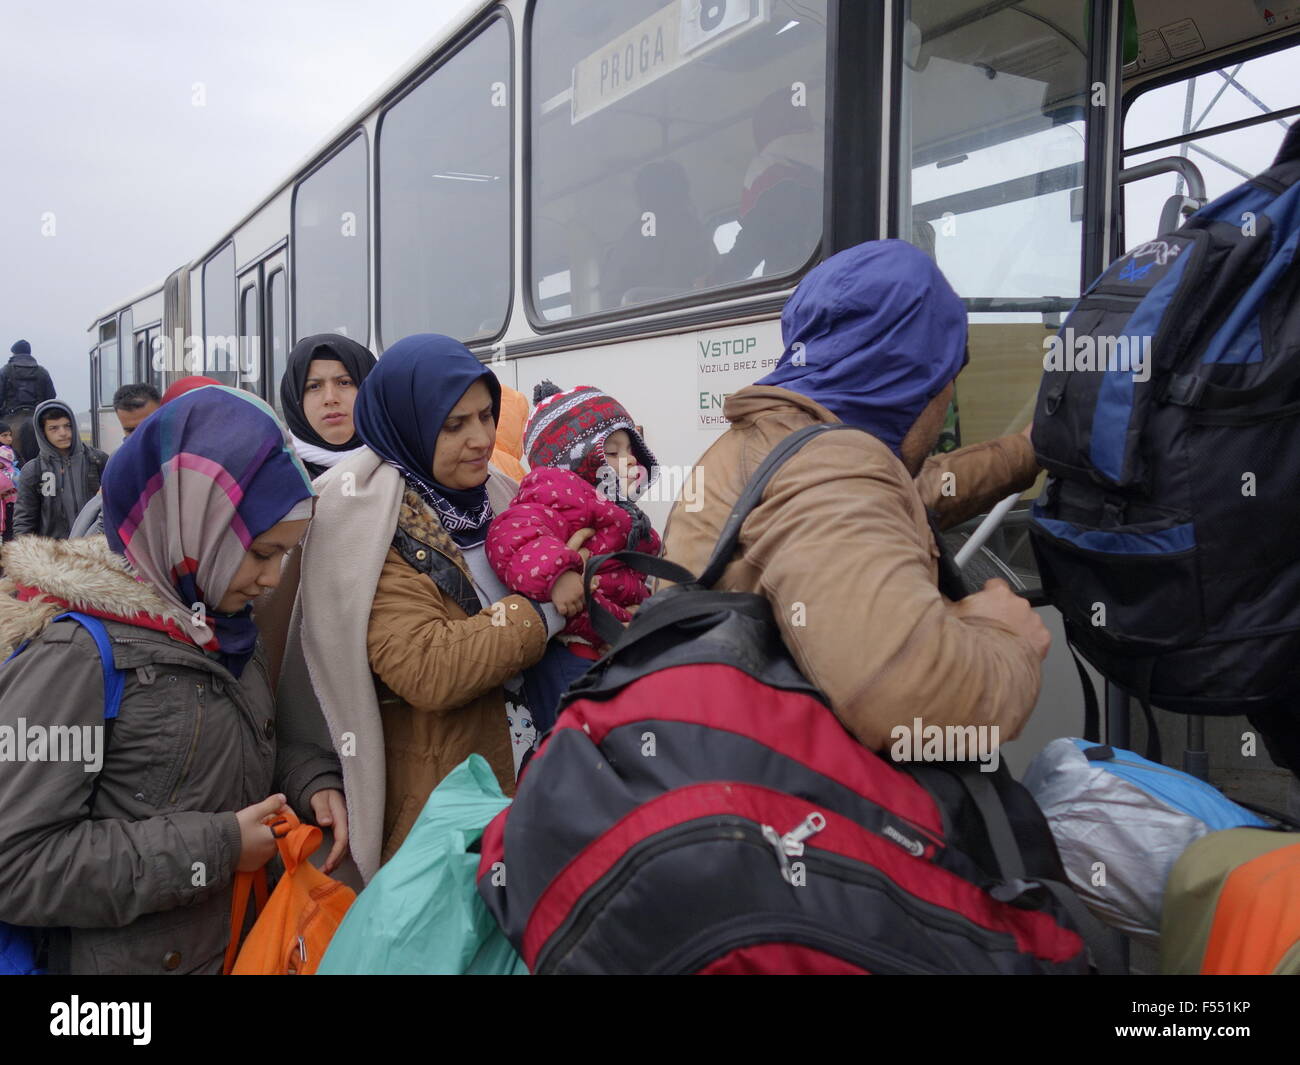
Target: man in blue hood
{"x":24,"y":385}
{"x":842,"y":546}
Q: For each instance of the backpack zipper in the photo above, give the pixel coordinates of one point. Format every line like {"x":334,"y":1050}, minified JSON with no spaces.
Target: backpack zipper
{"x":741,"y":830}
{"x":874,"y":957}
{"x":194,"y":746}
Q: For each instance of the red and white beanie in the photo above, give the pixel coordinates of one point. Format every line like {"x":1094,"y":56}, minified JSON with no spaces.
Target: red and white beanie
{"x":567,"y":431}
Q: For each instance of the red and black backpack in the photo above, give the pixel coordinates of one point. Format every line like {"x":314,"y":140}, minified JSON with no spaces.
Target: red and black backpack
{"x":698,"y":808}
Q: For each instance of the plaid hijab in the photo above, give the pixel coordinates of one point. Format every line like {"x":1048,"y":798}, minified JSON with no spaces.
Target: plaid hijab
{"x":187,"y":493}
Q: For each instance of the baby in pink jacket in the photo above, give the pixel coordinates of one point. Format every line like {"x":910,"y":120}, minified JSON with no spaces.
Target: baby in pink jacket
{"x":588,"y":465}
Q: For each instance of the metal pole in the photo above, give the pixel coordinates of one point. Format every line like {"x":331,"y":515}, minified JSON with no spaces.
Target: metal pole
{"x":1117,"y":716}
{"x":1196,"y":759}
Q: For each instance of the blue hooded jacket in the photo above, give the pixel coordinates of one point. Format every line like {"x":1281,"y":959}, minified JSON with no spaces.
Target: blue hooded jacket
{"x":873,"y":334}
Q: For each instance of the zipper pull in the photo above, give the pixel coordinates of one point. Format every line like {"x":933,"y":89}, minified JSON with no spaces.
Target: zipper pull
{"x":778,"y":845}
{"x":792,"y":842}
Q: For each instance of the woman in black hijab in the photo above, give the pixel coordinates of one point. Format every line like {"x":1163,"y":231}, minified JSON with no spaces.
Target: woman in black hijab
{"x":316,"y":395}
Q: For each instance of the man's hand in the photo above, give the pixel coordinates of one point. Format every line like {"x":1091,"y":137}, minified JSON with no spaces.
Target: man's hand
{"x":331,"y":811}
{"x":999,"y":603}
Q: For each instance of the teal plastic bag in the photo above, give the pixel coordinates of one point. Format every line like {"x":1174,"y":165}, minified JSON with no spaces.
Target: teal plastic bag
{"x":421,"y":914}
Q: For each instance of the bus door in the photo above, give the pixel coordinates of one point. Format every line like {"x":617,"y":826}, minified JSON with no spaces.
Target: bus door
{"x":263,"y":326}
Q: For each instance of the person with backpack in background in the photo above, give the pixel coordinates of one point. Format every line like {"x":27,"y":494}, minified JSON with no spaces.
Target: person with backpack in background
{"x":24,"y":385}
{"x":123,"y":859}
{"x":842,"y":546}
{"x":61,"y":479}
{"x":8,"y":481}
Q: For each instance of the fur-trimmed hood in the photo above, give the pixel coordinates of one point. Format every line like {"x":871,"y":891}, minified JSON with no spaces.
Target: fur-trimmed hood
{"x":83,"y":574}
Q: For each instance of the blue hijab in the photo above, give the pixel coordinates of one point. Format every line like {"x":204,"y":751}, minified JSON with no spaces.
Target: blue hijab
{"x":400,"y":410}
{"x":881,"y":334}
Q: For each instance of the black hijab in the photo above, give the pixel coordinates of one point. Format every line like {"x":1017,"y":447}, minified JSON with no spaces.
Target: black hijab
{"x":355,"y":359}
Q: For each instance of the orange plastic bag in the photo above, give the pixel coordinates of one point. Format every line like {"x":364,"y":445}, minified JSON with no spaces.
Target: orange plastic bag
{"x":296,"y":924}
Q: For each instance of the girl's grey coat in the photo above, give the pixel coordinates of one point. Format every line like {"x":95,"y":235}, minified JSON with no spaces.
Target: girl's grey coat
{"x":135,"y":875}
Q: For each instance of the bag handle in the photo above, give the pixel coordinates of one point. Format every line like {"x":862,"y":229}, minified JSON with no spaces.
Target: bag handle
{"x":1098,"y":940}
{"x":244,"y":882}
{"x":296,"y":843}
{"x":608,"y":627}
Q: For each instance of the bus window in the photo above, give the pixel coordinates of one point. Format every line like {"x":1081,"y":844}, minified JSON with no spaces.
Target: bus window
{"x":991,"y":176}
{"x":445,"y":196}
{"x":331,"y":281}
{"x":250,"y":337}
{"x":1183,"y":111}
{"x":221,"y":332}
{"x":125,"y":330}
{"x":676,"y":147}
{"x":108,"y":368}
{"x":277,"y":298}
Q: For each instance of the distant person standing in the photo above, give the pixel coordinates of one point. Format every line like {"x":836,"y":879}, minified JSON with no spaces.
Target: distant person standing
{"x":132,"y":404}
{"x":55,"y":485}
{"x":24,"y":385}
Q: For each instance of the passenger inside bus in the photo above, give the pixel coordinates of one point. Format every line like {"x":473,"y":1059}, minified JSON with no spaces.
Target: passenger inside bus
{"x":664,"y":246}
{"x":781,"y":203}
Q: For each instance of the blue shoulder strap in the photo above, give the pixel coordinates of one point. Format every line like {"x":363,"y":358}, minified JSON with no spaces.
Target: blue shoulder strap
{"x":114,"y":678}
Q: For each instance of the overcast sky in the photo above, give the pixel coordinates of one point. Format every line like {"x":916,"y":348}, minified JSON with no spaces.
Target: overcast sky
{"x":97,"y":127}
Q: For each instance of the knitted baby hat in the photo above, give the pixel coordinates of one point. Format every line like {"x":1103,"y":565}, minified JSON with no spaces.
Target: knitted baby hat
{"x":567,"y":431}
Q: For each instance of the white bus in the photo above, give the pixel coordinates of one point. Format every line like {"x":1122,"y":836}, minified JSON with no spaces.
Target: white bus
{"x":624,"y":193}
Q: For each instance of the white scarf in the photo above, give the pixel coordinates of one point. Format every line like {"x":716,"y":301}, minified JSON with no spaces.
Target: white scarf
{"x":319,"y":456}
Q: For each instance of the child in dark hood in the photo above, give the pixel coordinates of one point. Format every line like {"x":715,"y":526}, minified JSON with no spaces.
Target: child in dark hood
{"x":65,"y":473}
{"x":589,"y":465}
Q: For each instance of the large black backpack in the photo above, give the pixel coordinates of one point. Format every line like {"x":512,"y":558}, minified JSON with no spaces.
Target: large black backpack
{"x":698,"y":807}
{"x":1168,"y":533}
{"x":23,"y":387}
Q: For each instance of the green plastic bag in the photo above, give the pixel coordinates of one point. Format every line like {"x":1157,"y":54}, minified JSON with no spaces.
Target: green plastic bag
{"x":421,"y":913}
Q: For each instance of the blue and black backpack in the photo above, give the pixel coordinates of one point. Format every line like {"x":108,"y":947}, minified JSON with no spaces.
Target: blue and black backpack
{"x":20,"y":947}
{"x":1168,"y":532}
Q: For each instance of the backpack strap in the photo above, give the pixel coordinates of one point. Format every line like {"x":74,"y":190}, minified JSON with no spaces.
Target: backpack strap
{"x":114,"y":678}
{"x":607,"y":628}
{"x":752,"y":495}
{"x":1099,"y":940}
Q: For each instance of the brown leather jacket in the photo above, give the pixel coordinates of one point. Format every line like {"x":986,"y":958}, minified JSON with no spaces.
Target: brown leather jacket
{"x":440,"y":662}
{"x":841,"y":548}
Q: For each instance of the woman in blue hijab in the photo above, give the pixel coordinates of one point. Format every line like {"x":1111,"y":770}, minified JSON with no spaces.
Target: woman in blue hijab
{"x":413,"y":649}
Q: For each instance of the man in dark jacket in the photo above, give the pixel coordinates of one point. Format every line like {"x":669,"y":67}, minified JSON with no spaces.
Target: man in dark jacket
{"x":55,"y":485}
{"x":24,"y":385}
